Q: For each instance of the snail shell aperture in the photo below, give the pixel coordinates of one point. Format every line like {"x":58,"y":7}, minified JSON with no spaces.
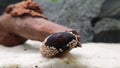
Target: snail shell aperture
{"x":58,"y":44}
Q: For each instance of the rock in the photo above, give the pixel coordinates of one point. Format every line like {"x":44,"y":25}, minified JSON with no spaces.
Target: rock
{"x":111,"y":9}
{"x":91,"y":55}
{"x":107,"y":30}
{"x":5,"y":3}
{"x":75,"y":14}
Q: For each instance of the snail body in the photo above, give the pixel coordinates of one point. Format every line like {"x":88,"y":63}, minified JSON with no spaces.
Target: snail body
{"x":58,"y":44}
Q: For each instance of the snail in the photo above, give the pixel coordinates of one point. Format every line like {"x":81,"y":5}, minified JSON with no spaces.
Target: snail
{"x":58,"y":44}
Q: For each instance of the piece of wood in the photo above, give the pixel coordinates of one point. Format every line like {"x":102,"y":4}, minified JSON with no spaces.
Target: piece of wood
{"x":25,"y":20}
{"x":30,"y":27}
{"x":9,"y":39}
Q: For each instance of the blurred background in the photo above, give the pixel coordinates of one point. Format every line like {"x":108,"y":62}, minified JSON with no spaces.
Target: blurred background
{"x":95,"y":20}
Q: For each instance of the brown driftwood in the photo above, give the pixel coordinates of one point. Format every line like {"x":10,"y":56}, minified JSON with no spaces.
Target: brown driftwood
{"x":25,"y":20}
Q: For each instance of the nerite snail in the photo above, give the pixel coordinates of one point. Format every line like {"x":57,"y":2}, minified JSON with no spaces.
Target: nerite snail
{"x":58,"y":44}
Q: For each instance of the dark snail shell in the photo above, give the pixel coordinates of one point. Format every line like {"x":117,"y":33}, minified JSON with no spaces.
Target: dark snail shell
{"x":58,"y":43}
